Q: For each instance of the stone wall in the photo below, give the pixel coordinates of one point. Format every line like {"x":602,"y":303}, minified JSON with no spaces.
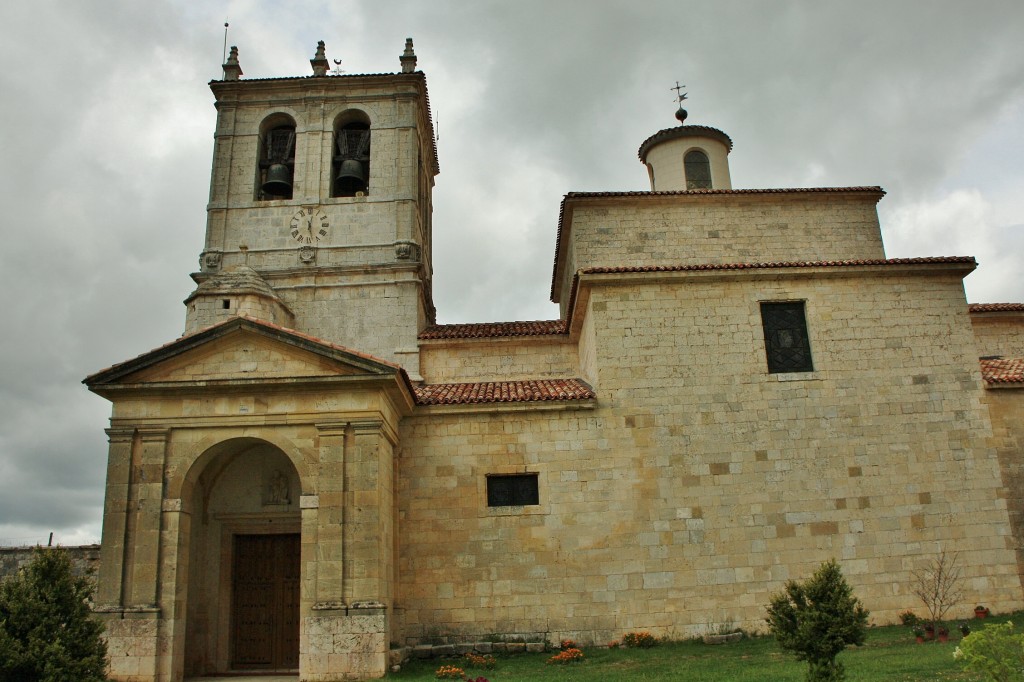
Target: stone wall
{"x":504,"y":359}
{"x":85,"y":559}
{"x":700,"y":482}
{"x":1006,"y":405}
{"x":999,"y":334}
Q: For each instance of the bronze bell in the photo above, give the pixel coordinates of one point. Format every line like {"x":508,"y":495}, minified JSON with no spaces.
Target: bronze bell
{"x":279,"y":180}
{"x":351,"y":178}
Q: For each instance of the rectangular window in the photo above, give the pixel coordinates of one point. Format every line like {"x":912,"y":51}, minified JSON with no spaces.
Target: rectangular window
{"x":785,"y":337}
{"x":515,"y":490}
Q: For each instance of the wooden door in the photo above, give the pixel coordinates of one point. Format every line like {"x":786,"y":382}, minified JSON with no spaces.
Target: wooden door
{"x":265,"y":602}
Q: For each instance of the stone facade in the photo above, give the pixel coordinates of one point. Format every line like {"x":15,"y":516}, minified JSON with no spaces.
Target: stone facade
{"x":663,"y":474}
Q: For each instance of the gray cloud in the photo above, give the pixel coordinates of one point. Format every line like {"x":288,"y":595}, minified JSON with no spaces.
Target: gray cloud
{"x":106,"y":126}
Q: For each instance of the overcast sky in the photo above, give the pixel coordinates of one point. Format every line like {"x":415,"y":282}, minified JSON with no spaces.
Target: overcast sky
{"x":106,"y":135}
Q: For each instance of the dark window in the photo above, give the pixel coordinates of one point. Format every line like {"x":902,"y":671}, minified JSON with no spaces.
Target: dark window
{"x":785,"y":337}
{"x":698,"y":170}
{"x":512,"y":491}
{"x":351,"y":161}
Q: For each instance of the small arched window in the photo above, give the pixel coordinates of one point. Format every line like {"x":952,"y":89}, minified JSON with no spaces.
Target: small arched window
{"x":698,"y":170}
{"x":277,"y":162}
{"x":351,"y":163}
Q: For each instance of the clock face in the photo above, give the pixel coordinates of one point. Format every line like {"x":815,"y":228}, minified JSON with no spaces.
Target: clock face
{"x":309,"y":226}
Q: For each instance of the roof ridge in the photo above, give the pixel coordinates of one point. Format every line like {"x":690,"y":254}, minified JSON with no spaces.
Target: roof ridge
{"x":995,"y":307}
{"x":242,"y":319}
{"x":522,"y":390}
{"x":472,"y":330}
{"x":602,"y":269}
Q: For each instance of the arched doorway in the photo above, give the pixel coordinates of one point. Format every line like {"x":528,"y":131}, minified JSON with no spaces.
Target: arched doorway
{"x":244,"y":568}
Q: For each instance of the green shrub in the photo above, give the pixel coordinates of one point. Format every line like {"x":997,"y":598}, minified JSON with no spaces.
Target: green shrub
{"x":909,"y":618}
{"x":817,"y":619}
{"x":995,"y":651}
{"x":47,"y":630}
{"x":639,"y":640}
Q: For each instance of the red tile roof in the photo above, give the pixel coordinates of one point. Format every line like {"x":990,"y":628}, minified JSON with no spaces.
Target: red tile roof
{"x":532,"y":390}
{"x":784,"y":264}
{"x":682,"y":131}
{"x":1002,"y":370}
{"x":996,"y":307}
{"x":871,"y":189}
{"x":494,"y":329}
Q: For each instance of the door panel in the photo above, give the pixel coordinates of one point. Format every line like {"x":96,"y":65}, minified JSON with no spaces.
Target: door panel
{"x":265,"y":602}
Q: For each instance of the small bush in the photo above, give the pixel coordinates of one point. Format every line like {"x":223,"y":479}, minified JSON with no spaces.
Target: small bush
{"x":450,"y":672}
{"x":567,"y":644}
{"x":909,"y":618}
{"x":47,"y":630}
{"x":614,"y":644}
{"x":485,"y":661}
{"x":939,"y":585}
{"x":566,"y":656}
{"x":817,"y":619}
{"x":639,"y":640}
{"x":995,"y":651}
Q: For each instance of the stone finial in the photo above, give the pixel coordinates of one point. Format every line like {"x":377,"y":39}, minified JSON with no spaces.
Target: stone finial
{"x":319,"y":61}
{"x":408,"y":58}
{"x":232,"y":70}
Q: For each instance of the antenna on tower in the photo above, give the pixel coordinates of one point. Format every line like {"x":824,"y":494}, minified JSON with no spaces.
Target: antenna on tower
{"x":224,"y":55}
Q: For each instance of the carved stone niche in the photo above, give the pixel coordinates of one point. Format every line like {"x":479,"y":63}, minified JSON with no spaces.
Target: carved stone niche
{"x":277,"y":490}
{"x":210,"y":260}
{"x":407,"y":251}
{"x":307,"y":254}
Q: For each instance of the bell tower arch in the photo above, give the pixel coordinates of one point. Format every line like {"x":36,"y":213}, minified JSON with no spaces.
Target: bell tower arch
{"x":320,"y":207}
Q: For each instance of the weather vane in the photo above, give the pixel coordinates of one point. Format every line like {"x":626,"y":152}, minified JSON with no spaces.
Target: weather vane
{"x":680,"y":96}
{"x":337,"y":70}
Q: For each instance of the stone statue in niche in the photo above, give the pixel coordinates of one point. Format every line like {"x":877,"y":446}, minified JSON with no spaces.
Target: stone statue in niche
{"x":277,"y":488}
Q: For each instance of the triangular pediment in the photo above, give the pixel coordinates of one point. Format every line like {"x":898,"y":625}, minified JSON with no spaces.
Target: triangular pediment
{"x":245,"y":350}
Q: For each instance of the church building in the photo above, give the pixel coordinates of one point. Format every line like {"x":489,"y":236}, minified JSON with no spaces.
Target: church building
{"x":740,"y":386}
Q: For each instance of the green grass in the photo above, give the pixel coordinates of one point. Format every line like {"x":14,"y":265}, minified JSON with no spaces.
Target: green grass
{"x":890,"y":654}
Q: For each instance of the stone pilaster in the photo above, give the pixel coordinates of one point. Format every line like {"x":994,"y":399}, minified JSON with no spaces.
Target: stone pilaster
{"x":115,"y":511}
{"x":147,"y":482}
{"x":330,"y":514}
{"x":368,"y":527}
{"x":173,"y":577}
{"x":346,"y":644}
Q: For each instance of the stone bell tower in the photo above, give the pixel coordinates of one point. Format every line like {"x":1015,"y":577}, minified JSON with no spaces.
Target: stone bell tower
{"x":320,"y":207}
{"x":249,"y":519}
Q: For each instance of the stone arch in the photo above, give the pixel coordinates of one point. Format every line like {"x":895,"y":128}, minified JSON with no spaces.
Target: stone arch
{"x":211,"y":447}
{"x":236,"y":489}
